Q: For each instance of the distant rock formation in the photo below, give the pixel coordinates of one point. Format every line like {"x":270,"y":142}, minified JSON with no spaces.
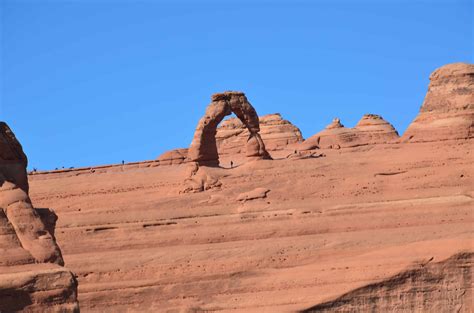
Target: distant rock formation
{"x":232,"y":136}
{"x":203,"y":149}
{"x":448,"y":109}
{"x":25,"y":239}
{"x":276,"y":132}
{"x":371,"y":129}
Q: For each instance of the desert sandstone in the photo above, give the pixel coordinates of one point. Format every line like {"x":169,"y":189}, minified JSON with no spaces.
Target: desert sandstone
{"x":351,"y":219}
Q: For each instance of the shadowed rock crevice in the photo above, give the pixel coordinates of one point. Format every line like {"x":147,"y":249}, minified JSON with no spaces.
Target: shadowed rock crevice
{"x":203,"y":149}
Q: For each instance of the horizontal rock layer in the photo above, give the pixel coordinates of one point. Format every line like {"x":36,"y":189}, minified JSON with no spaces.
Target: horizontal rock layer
{"x":329,"y":226}
{"x":38,"y":288}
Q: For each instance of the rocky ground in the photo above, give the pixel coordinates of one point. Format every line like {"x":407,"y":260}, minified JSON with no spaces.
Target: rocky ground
{"x":326,"y":226}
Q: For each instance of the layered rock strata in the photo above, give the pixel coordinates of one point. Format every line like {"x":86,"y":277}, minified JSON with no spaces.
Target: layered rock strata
{"x":434,"y":287}
{"x":448,"y":109}
{"x":25,"y":240}
{"x":276,"y":132}
{"x":371,"y":129}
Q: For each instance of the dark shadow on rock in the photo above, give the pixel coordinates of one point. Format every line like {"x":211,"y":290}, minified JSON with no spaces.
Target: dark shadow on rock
{"x":49,"y":219}
{"x":14,"y":300}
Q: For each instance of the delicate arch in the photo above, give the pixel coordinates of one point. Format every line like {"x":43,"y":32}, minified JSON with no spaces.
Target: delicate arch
{"x":203,"y":149}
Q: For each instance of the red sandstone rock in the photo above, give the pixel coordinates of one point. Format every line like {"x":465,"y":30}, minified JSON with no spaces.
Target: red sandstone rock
{"x":203,"y":149}
{"x":448,"y":109}
{"x":173,"y":157}
{"x":276,"y":132}
{"x":24,"y":240}
{"x":371,"y":129}
{"x":335,"y":233}
{"x":257,"y":193}
{"x":232,"y":138}
{"x":444,"y":286}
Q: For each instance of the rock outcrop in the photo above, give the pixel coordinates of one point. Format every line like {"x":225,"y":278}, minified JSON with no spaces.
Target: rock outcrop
{"x":173,"y":157}
{"x":199,"y":179}
{"x":38,"y":288}
{"x":203,"y":149}
{"x":435,"y":287}
{"x":24,"y":237}
{"x":276,"y":132}
{"x":13,"y":161}
{"x":448,"y":109}
{"x":232,"y":136}
{"x":371,"y":129}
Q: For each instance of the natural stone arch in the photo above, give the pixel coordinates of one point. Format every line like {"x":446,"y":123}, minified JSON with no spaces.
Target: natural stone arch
{"x":203,"y":149}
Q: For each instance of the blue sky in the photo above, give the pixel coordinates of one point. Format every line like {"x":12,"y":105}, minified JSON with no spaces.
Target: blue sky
{"x":97,"y":82}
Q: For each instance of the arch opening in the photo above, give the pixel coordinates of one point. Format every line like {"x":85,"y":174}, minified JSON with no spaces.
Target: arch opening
{"x":203,"y":149}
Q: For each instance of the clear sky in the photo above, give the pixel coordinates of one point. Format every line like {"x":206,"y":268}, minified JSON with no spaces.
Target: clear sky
{"x":96,"y":82}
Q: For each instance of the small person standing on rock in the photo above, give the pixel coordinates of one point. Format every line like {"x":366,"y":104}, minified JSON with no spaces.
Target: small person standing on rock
{"x":231,"y":164}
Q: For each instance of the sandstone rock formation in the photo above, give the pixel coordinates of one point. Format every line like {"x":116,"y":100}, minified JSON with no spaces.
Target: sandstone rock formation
{"x":448,"y":109}
{"x":203,"y":149}
{"x":328,"y":227}
{"x":371,"y":129}
{"x":199,"y":179}
{"x":362,"y":229}
{"x":173,"y":157}
{"x":434,"y":287}
{"x":24,"y":239}
{"x":16,"y":205}
{"x":38,"y":288}
{"x":13,"y":161}
{"x":257,"y":193}
{"x":276,"y":132}
{"x":232,"y":136}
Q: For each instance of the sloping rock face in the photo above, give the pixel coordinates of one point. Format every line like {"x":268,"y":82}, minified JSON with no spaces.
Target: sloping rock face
{"x":24,"y":238}
{"x":448,"y":110}
{"x":440,"y":287}
{"x":276,"y":132}
{"x":371,"y":129}
{"x":203,"y":149}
